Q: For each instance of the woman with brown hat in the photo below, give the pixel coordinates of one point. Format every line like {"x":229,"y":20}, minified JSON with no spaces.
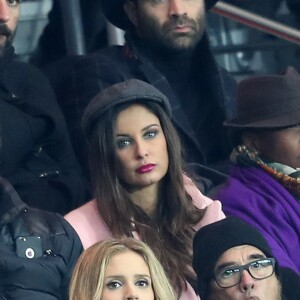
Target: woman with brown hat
{"x":264,"y":184}
{"x":140,"y":187}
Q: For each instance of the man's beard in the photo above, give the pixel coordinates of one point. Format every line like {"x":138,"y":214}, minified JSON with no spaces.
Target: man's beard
{"x":5,"y":31}
{"x":164,"y":37}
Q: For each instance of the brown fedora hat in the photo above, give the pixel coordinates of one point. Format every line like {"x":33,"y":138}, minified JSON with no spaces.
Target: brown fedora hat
{"x":269,"y":101}
{"x":115,"y":14}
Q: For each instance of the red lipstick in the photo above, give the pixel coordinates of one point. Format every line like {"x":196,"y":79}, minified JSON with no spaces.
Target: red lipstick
{"x":145,"y":168}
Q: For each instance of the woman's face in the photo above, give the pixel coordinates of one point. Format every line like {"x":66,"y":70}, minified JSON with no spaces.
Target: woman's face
{"x":141,"y":148}
{"x":280,"y":146}
{"x":127,"y":276}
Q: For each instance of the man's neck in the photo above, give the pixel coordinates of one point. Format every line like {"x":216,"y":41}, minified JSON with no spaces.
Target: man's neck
{"x":7,"y":55}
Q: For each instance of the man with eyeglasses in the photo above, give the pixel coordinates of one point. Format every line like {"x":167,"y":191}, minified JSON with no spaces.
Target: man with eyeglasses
{"x":234,"y":262}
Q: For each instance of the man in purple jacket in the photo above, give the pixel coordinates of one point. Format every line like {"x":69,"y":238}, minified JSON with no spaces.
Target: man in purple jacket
{"x":264,"y":185}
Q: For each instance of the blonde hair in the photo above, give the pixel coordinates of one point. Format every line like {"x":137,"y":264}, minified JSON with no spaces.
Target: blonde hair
{"x":88,"y":275}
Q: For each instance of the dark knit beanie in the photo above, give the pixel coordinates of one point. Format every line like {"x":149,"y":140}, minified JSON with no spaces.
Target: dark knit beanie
{"x":211,"y":241}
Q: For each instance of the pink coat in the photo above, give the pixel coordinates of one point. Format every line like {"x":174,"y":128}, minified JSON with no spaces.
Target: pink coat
{"x":91,"y":228}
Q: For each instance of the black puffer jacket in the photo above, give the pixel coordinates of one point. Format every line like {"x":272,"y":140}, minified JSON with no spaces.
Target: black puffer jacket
{"x":47,"y":237}
{"x":36,"y":155}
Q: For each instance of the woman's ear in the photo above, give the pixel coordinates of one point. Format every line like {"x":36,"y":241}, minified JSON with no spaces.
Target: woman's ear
{"x":130,"y":8}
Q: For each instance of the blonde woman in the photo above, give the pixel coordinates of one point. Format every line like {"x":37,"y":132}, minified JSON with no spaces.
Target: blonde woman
{"x":120,"y":269}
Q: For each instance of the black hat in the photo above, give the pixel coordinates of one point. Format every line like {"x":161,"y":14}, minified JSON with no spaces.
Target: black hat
{"x":114,"y":12}
{"x":132,"y":90}
{"x":268,"y":101}
{"x":211,"y":241}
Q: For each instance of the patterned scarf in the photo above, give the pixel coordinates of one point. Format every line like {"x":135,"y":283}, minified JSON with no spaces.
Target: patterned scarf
{"x":285,"y":175}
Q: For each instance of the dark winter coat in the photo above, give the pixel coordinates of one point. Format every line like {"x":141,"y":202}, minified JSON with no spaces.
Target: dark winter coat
{"x":38,"y":250}
{"x":36,"y":155}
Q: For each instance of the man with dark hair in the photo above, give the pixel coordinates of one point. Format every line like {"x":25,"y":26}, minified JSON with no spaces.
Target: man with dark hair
{"x":233,"y":261}
{"x":36,"y":156}
{"x":166,"y":46}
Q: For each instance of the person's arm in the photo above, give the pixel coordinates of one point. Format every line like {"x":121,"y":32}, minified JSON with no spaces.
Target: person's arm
{"x":39,"y":103}
{"x":72,"y":249}
{"x":19,"y":132}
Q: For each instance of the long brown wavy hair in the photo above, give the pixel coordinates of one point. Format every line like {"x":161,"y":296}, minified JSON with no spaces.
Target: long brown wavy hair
{"x":169,"y":232}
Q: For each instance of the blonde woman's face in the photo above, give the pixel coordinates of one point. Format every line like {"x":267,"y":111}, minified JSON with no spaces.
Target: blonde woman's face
{"x":127,"y":276}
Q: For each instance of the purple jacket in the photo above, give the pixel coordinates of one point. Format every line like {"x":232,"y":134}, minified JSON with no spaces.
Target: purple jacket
{"x":253,"y":195}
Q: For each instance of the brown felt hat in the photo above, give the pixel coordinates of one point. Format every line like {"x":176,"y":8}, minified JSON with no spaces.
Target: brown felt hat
{"x":114,"y":12}
{"x":129,"y":91}
{"x":269,"y":101}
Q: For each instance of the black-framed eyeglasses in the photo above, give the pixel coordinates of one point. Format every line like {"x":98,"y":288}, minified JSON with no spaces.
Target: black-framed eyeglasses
{"x":259,"y":269}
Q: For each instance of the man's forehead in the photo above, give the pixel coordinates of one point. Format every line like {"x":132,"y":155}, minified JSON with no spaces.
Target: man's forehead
{"x":240,"y":253}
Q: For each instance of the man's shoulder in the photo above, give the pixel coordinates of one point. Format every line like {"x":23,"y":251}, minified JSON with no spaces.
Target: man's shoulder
{"x":26,"y":80}
{"x":113,"y":51}
{"x":40,"y":250}
{"x":55,"y":232}
{"x":24,"y":68}
{"x":109,"y":59}
{"x":109,"y":64}
{"x":50,"y":225}
{"x":20,"y":73}
{"x":104,"y":55}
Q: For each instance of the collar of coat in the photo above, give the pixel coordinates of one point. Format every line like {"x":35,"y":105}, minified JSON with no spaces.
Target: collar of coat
{"x":10,"y":203}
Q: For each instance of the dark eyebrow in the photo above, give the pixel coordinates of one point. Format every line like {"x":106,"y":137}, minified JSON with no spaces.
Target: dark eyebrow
{"x":256,"y":256}
{"x":149,"y":126}
{"x":121,"y":277}
{"x":123,"y":135}
{"x":234,"y":264}
{"x":143,"y":130}
{"x":226,"y":264}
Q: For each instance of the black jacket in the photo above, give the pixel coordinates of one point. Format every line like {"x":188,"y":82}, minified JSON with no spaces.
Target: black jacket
{"x":78,"y":79}
{"x":36,"y":155}
{"x":55,"y":244}
{"x":290,"y":282}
